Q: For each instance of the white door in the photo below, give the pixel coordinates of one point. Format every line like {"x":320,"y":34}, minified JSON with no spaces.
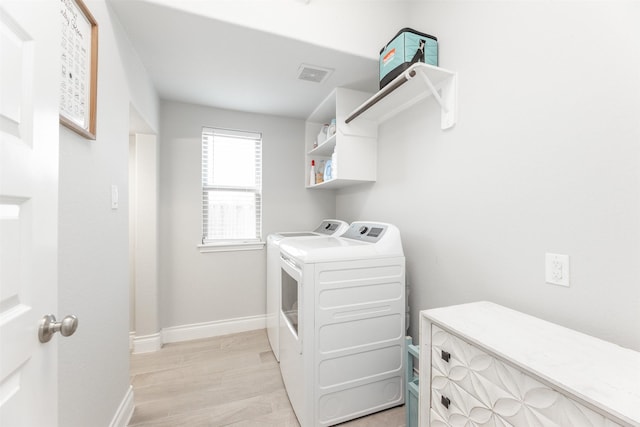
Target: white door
{"x":29,"y":134}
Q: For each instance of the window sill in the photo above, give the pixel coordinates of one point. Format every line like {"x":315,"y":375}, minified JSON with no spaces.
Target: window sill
{"x":231,"y":247}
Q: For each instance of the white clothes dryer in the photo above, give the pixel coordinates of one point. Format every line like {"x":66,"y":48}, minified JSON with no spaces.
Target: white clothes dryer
{"x":328,"y":227}
{"x":342,"y":323}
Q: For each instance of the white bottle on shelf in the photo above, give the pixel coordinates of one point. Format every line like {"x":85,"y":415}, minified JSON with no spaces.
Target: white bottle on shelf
{"x":322,"y":135}
{"x":331,"y":130}
{"x":312,"y":173}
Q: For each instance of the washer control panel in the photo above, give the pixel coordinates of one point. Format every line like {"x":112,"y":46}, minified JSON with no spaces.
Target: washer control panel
{"x":365,"y":231}
{"x":328,"y":227}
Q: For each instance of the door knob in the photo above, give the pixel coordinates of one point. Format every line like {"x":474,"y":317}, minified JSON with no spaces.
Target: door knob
{"x":49,"y":326}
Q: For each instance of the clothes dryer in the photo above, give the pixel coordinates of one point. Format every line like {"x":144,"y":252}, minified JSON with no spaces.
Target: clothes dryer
{"x":342,"y":323}
{"x":328,"y":227}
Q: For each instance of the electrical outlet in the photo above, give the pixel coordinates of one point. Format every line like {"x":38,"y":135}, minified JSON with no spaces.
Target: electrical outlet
{"x":557,"y":269}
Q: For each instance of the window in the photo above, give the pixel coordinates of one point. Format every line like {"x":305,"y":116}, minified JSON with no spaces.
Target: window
{"x":231,"y":186}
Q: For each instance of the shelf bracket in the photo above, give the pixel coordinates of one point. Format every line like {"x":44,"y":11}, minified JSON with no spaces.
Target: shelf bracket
{"x":433,"y":91}
{"x":446,"y":98}
{"x":450,"y":99}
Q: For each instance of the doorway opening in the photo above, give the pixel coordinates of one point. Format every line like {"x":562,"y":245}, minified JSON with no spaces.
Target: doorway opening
{"x":144,"y":325}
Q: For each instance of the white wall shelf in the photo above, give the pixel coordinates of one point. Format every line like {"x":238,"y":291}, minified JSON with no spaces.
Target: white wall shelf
{"x":326,"y":148}
{"x":416,"y":83}
{"x":330,"y":184}
{"x":355,"y":144}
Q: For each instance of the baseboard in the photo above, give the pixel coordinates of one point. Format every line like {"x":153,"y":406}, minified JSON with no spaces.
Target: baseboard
{"x":213,"y":329}
{"x":125,"y":410}
{"x":147,"y":343}
{"x":153,"y":342}
{"x":132,"y":337}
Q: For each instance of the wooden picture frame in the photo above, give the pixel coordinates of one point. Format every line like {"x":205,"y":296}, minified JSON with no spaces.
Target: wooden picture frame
{"x":79,"y":67}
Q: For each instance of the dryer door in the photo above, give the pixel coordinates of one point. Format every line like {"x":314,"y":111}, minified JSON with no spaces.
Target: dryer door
{"x":291,"y":307}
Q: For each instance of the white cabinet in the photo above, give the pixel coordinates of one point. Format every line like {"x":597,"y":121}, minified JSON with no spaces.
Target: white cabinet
{"x":483,"y":364}
{"x":357,"y":115}
{"x":355,"y":144}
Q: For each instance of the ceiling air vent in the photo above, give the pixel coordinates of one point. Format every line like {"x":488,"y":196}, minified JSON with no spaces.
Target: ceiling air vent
{"x":313,"y":73}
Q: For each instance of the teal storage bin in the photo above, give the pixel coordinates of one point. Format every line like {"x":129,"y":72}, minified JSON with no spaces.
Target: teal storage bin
{"x":407,"y":47}
{"x":412,"y":396}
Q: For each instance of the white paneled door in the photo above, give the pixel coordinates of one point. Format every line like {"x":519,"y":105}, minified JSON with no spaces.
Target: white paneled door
{"x":29,"y":138}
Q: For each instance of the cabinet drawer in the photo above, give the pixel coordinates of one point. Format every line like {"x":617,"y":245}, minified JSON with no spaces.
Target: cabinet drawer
{"x":454,"y":406}
{"x":512,"y":396}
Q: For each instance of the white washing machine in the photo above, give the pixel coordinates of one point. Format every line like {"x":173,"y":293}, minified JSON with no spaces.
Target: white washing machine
{"x":342,"y":323}
{"x":328,"y":227}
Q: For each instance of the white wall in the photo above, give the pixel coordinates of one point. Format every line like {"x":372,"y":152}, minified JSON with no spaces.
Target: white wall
{"x":359,"y":27}
{"x":204,"y":287}
{"x":132,"y":233}
{"x":145,"y":103}
{"x":93,"y":242}
{"x":544,"y":158}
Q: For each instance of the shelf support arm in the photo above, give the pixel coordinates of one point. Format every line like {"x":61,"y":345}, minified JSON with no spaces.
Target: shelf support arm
{"x":447,"y":100}
{"x":434,"y":92}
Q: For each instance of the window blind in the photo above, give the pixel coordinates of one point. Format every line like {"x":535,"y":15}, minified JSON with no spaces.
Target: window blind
{"x":231,"y":186}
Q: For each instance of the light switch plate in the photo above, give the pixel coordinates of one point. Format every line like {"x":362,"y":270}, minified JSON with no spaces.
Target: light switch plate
{"x":557,"y":269}
{"x":114,"y":197}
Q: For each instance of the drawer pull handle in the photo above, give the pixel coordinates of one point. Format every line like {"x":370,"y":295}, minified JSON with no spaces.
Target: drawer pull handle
{"x":445,"y":401}
{"x":445,"y":356}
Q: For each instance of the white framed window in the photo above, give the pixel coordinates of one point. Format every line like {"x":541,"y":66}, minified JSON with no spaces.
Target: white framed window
{"x":231,"y":187}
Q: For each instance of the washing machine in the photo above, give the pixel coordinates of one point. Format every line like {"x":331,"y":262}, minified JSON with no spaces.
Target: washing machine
{"x":342,"y":323}
{"x":328,"y":227}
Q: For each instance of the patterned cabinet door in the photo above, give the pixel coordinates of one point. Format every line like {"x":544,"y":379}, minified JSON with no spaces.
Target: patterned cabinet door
{"x":495,"y":393}
{"x":453,"y":406}
{"x":437,"y":420}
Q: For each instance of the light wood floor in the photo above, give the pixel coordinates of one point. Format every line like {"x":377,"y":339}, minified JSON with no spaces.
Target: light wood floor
{"x":233,"y":380}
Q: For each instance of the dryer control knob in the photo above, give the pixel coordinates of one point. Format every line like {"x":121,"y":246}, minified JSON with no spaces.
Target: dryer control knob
{"x":363,"y":229}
